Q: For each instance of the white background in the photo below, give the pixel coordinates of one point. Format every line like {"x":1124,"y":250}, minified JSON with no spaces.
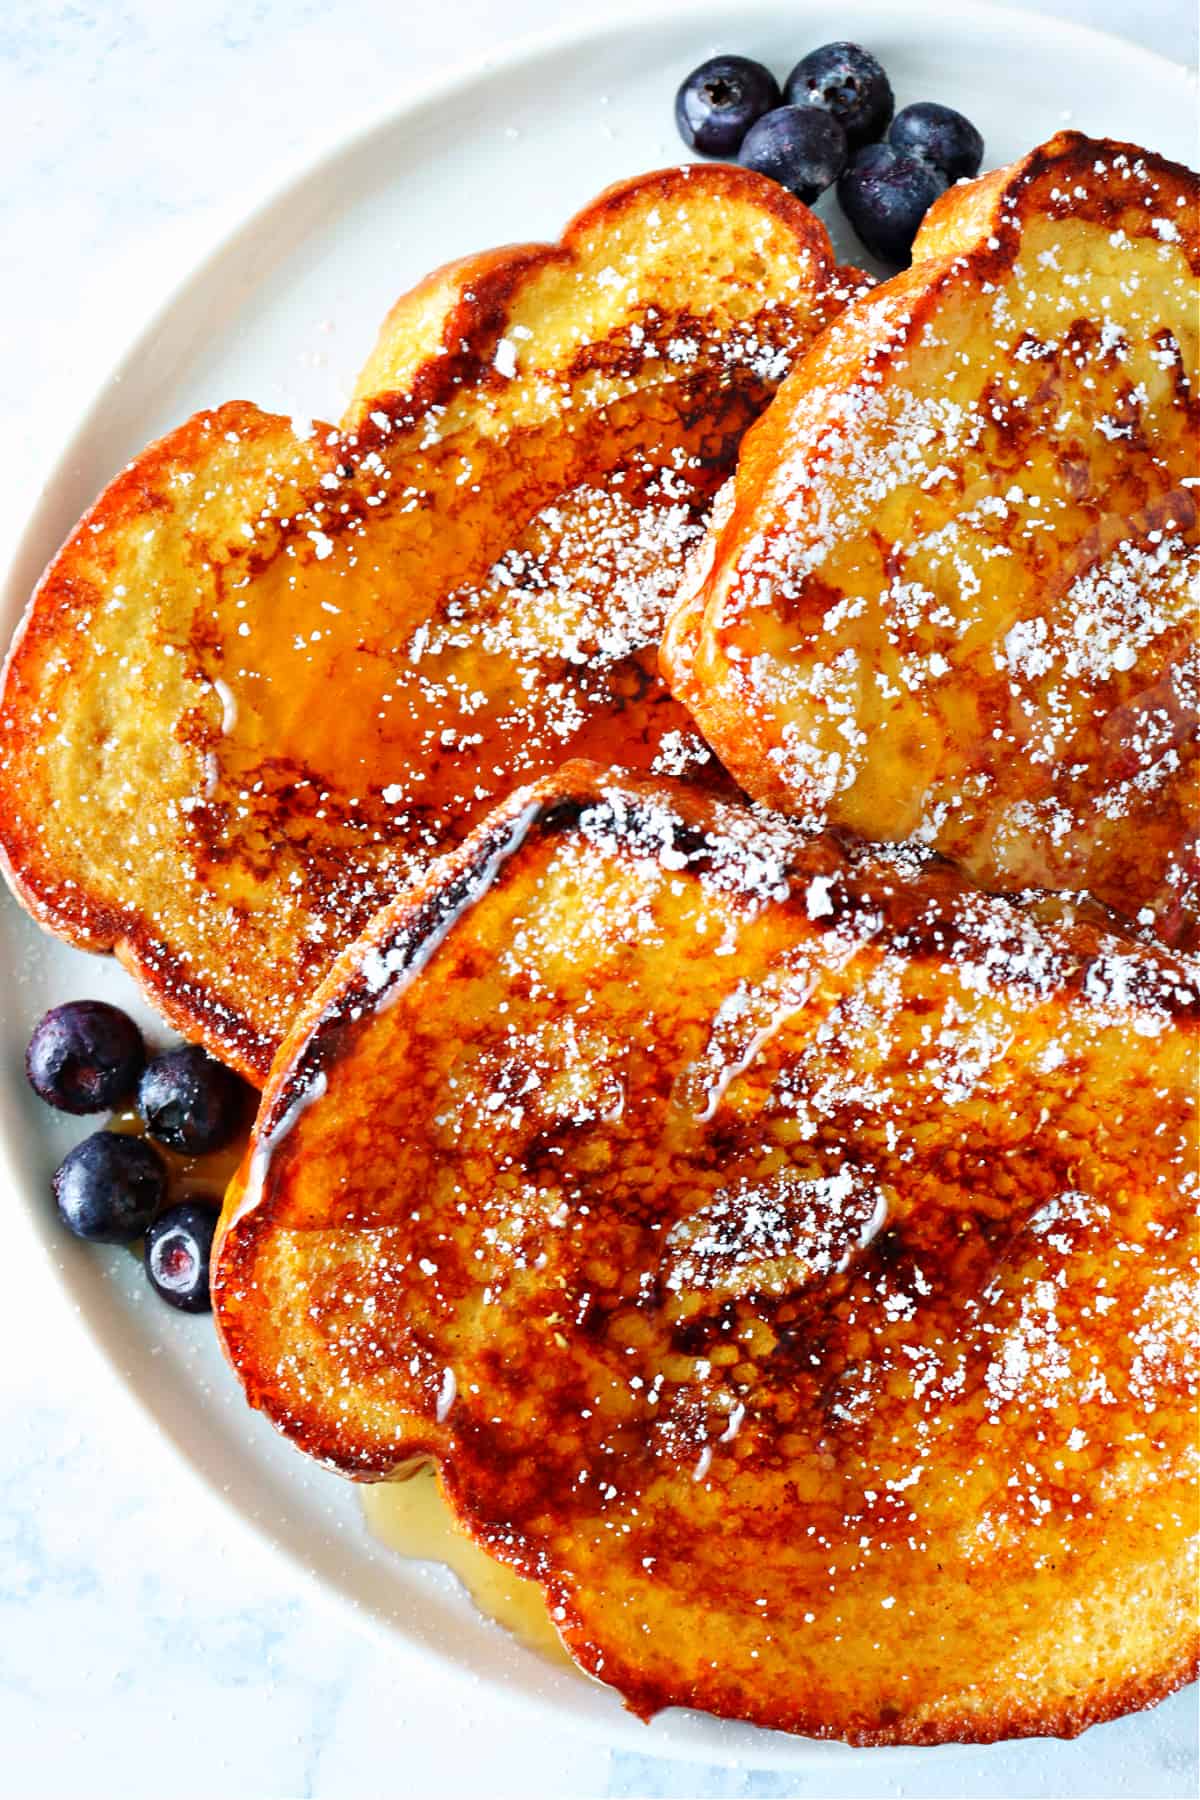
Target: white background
{"x":139,"y":1651}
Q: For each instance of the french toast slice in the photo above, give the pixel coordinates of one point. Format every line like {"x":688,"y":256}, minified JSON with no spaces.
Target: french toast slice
{"x":272,"y":673}
{"x":784,"y":1252}
{"x":954,"y":592}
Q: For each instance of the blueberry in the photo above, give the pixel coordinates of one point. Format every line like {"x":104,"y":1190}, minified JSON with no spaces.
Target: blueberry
{"x":847,"y":82}
{"x":85,"y":1056}
{"x":885,"y":196}
{"x":178,"y":1250}
{"x":191,"y":1103}
{"x":801,"y":147}
{"x":717,"y":104}
{"x":109,"y":1187}
{"x":938,"y":135}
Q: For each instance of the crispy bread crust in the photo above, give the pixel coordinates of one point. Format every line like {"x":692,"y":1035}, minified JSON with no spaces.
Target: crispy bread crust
{"x":230,"y":973}
{"x":743,"y":621}
{"x":1026,"y":1606}
{"x":471,"y":299}
{"x":61,"y":604}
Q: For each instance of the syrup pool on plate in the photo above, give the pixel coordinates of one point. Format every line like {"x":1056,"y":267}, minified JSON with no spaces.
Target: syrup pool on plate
{"x":407,"y":1514}
{"x":411,"y":1516}
{"x":190,"y":1177}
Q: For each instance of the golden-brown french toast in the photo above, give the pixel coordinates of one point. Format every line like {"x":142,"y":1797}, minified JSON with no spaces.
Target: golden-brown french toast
{"x":953,"y":593}
{"x":270,"y":675}
{"x":785,"y":1252}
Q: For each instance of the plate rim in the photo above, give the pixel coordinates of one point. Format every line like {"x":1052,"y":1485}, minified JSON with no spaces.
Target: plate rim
{"x":226,"y":233}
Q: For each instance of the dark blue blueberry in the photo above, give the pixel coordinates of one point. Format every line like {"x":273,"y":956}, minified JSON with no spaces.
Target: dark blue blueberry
{"x":800,"y":147}
{"x":109,"y":1187}
{"x":847,"y":82}
{"x":178,"y":1251}
{"x":85,"y":1056}
{"x":719,"y":102}
{"x":191,"y":1103}
{"x":938,"y":135}
{"x":885,"y":196}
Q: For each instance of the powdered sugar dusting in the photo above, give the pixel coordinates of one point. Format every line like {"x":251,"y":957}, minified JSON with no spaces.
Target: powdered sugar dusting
{"x":962,"y":601}
{"x":797,"y":1205}
{"x":343,"y":645}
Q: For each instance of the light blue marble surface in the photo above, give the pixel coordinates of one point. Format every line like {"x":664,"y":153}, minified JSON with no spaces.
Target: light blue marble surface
{"x":140,"y":1652}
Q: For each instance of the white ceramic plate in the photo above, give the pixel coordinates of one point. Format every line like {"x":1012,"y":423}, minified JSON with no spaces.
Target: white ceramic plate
{"x":283,"y":311}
